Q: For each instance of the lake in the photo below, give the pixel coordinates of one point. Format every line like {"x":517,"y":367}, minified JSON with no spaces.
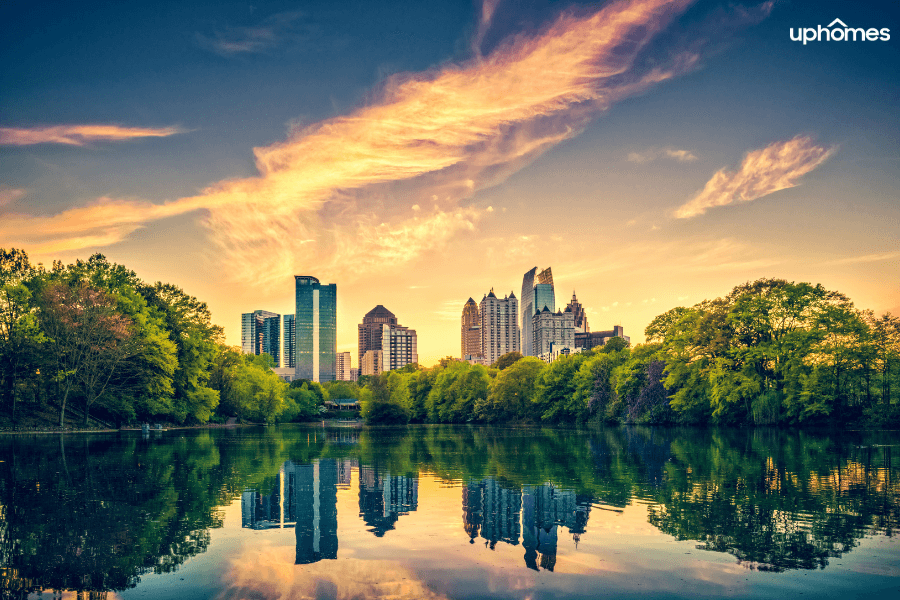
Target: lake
{"x":450,"y":512}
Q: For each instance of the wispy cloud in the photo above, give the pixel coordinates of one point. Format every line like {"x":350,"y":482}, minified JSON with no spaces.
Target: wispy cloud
{"x":10,"y":195}
{"x":868,"y":258}
{"x":778,"y":166}
{"x":654,"y":153}
{"x":333,"y":196}
{"x":267,"y":34}
{"x":79,"y":135}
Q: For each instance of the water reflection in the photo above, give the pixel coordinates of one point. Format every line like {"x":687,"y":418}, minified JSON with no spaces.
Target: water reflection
{"x":97,"y":513}
{"x":383,"y":498}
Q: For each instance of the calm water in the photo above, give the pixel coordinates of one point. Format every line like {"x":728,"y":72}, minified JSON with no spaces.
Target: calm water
{"x":441,"y":512}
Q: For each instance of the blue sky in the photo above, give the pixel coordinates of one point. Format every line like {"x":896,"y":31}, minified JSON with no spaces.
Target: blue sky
{"x":417,"y":154}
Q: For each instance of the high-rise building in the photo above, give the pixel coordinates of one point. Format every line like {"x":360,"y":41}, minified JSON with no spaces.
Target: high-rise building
{"x":316,"y":329}
{"x":384,"y":344}
{"x":499,"y":326}
{"x":370,"y":331}
{"x":260,"y":334}
{"x":290,"y":332}
{"x":342,"y":367}
{"x":537,"y":293}
{"x":581,"y":322}
{"x":552,"y":331}
{"x":471,"y":330}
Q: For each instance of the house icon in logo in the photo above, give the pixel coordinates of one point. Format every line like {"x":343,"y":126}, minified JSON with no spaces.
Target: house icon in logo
{"x":837,"y":21}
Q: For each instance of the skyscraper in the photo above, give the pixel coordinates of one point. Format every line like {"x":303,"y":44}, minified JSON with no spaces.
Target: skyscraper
{"x":384,"y":344}
{"x":290,"y":332}
{"x":316,"y":329}
{"x":471,"y":330}
{"x":527,"y":310}
{"x":260,"y":334}
{"x":499,"y":326}
{"x":537,"y":293}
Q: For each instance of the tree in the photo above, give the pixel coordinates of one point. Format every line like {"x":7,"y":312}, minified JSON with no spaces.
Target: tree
{"x":188,"y":323}
{"x":88,"y":337}
{"x":512,"y":392}
{"x":507,"y":359}
{"x":20,"y":333}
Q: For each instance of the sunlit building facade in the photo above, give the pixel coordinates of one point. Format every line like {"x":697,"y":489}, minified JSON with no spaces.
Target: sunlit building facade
{"x":384,"y":344}
{"x":342,"y":367}
{"x":499,"y":326}
{"x":471,"y":330}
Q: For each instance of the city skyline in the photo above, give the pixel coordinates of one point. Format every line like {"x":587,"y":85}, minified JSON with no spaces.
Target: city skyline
{"x":655,"y":153}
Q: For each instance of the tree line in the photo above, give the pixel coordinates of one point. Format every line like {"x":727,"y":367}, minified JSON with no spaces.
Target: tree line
{"x":771,"y":352}
{"x":93,"y":337}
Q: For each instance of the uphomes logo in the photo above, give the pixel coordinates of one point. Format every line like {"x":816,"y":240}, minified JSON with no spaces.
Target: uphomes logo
{"x":838,"y":31}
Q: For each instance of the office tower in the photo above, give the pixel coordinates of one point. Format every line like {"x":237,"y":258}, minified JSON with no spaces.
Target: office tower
{"x":342,"y":367}
{"x":499,"y":326}
{"x":471,"y":330}
{"x":290,"y":331}
{"x":527,"y":310}
{"x":580,"y":317}
{"x":260,"y":334}
{"x":316,"y":329}
{"x":552,"y":331}
{"x":384,"y":344}
{"x":537,"y":293}
{"x":370,"y":333}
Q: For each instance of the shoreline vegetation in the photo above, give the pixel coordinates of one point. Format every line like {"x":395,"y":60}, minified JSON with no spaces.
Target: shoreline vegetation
{"x":91,"y":346}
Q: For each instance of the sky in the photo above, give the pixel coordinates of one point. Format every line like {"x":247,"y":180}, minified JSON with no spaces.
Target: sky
{"x":654,"y":154}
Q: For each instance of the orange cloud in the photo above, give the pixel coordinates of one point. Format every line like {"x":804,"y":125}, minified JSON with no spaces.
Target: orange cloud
{"x":335,"y":194}
{"x":78,"y":135}
{"x":778,"y":166}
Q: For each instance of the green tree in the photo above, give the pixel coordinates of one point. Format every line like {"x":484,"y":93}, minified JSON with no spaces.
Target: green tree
{"x":512,"y":392}
{"x":507,"y":359}
{"x":556,"y":397}
{"x":21,"y":337}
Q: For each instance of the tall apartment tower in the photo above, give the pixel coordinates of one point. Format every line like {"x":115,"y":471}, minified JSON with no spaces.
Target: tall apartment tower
{"x":388,"y":344}
{"x":471,"y":330}
{"x":289,"y":337}
{"x":342,"y":367}
{"x":315,"y":329}
{"x":537,"y":293}
{"x":499,"y":326}
{"x":260,"y":334}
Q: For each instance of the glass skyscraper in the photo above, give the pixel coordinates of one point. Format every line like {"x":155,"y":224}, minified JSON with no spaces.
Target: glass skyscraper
{"x":260,"y":333}
{"x":315,"y":339}
{"x":537,"y":292}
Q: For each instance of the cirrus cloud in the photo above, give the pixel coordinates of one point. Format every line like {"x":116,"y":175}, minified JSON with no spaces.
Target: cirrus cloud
{"x":778,"y":166}
{"x":333,"y":195}
{"x":79,"y":135}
